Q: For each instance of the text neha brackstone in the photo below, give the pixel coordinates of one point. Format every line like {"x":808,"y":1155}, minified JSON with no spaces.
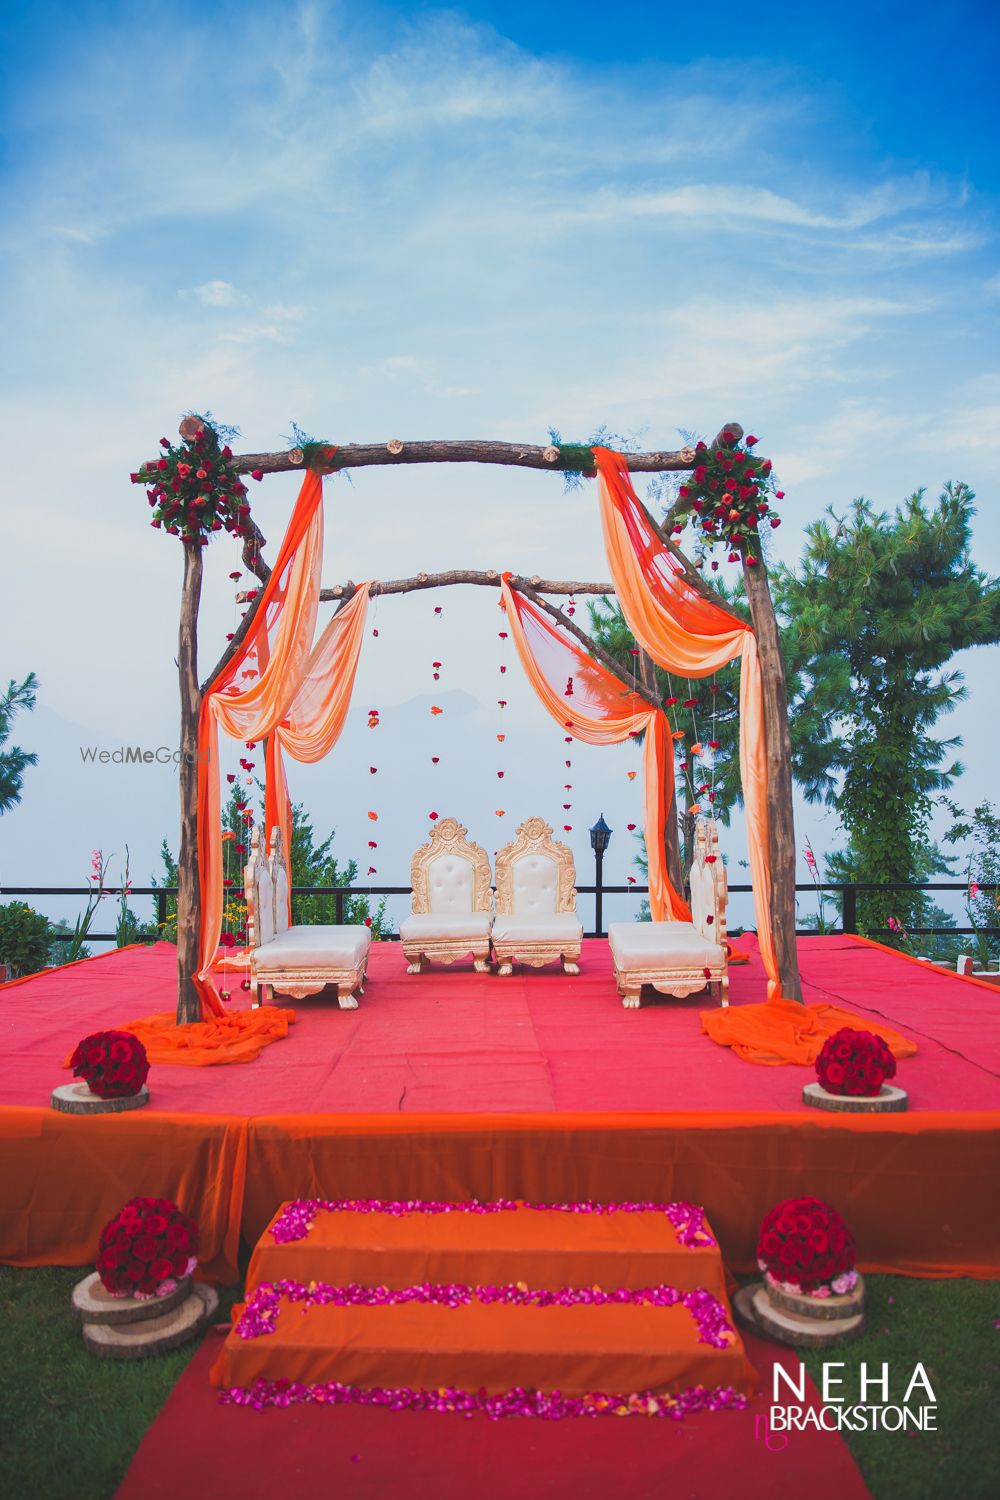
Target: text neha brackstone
{"x":868,"y":1409}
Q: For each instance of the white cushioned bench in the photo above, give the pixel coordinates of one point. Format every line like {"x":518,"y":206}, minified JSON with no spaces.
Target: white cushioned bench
{"x":296,"y":961}
{"x":679,"y":958}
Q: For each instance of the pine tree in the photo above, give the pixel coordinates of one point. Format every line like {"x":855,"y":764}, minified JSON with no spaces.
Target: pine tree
{"x":872,"y":616}
{"x":14,"y":761}
{"x":312,"y":864}
{"x":716,"y":718}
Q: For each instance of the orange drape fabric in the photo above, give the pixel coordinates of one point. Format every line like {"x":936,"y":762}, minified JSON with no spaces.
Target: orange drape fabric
{"x":62,"y":1177}
{"x":912,"y":1186}
{"x":691,"y":635}
{"x":783,"y":1031}
{"x":252,"y":695}
{"x":601,"y":710}
{"x":317,"y":712}
{"x":237,"y":1037}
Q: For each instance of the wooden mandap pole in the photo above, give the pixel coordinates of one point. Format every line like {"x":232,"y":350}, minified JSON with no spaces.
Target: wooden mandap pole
{"x":188,"y":884}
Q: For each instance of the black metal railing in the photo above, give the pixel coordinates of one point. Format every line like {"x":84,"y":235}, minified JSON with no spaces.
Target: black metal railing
{"x":848,"y":891}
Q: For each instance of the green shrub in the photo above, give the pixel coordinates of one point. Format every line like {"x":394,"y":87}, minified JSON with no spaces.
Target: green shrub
{"x":24,"y":939}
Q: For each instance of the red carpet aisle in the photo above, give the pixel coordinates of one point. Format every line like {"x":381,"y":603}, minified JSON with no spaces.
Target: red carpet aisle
{"x":363,"y":1453}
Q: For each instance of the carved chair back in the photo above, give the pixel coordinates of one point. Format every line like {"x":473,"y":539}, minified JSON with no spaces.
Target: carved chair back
{"x":536,"y":875}
{"x":709,"y":885}
{"x":450,"y":874}
{"x":279,"y":879}
{"x":258,"y":888}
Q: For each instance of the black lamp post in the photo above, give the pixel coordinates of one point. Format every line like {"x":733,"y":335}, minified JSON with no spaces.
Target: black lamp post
{"x":600,"y":838}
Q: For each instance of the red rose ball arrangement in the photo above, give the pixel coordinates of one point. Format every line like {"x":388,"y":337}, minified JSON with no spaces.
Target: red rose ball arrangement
{"x":113,"y":1064}
{"x":728,"y":496}
{"x":146,"y":1249}
{"x":194,"y":488}
{"x":805,"y":1246}
{"x":855,"y":1063}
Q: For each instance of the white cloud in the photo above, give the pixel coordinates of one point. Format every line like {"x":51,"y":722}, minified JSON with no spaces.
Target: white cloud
{"x":728,"y":202}
{"x":219,"y":294}
{"x":969,"y":424}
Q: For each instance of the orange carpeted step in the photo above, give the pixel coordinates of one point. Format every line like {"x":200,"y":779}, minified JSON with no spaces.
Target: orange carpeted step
{"x":384,"y":1295}
{"x":543,"y":1248}
{"x":576,"y":1350}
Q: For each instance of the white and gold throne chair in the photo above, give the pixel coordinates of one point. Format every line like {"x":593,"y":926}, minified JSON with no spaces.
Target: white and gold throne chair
{"x":452,"y":901}
{"x":296,"y":961}
{"x":536,"y":921}
{"x":680,"y":958}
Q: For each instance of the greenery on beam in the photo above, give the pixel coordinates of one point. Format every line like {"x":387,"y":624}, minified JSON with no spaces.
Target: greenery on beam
{"x":318,"y":454}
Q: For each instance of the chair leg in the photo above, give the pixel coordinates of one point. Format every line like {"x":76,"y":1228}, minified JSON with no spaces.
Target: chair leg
{"x":506,"y":967}
{"x":416,"y":965}
{"x":570,"y":965}
{"x":481,"y":965}
{"x":347,"y":1001}
{"x":631,"y":996}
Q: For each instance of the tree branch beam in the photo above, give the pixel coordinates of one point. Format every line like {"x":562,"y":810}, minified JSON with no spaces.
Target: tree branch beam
{"x":473,"y":451}
{"x":488,"y":578}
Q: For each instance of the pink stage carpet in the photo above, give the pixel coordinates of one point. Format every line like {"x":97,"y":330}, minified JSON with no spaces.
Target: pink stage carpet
{"x":453,"y":1085}
{"x":453,"y":1040}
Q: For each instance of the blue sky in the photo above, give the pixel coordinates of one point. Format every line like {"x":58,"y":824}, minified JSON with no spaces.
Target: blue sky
{"x":408,"y":221}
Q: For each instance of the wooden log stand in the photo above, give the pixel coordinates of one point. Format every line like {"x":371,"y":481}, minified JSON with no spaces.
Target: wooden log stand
{"x":888,"y":1100}
{"x":803,"y":1322}
{"x":77,"y":1099}
{"x":93,"y":1303}
{"x":131,"y":1329}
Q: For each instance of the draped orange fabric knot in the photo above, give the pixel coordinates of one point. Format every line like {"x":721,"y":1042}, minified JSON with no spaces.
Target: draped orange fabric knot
{"x":688,"y":633}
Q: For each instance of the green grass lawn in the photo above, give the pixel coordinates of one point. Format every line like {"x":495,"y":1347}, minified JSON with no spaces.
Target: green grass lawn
{"x":69,"y":1423}
{"x":950,"y":1327}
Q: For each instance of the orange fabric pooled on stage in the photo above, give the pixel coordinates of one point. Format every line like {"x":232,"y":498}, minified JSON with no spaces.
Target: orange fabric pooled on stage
{"x":235,"y":1038}
{"x":782,"y":1031}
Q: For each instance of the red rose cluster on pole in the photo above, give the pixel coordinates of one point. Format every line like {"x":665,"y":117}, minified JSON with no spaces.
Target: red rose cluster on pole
{"x":194,"y":488}
{"x":729,"y":494}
